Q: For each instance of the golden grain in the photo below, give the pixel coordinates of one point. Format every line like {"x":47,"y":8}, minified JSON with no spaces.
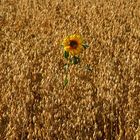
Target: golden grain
{"x":101,"y":103}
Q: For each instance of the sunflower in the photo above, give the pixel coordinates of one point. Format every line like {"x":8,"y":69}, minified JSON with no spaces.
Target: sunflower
{"x":73,"y":44}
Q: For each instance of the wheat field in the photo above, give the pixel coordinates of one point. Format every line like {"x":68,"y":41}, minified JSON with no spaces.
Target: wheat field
{"x":98,"y":104}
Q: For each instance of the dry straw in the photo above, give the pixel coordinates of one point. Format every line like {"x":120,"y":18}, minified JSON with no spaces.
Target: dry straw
{"x":102,"y":98}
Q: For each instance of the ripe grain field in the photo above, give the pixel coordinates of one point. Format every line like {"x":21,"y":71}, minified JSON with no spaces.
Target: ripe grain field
{"x":100,"y":104}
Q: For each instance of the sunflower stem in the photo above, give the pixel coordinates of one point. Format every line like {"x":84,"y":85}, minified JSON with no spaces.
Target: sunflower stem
{"x":65,"y":81}
{"x":66,"y":66}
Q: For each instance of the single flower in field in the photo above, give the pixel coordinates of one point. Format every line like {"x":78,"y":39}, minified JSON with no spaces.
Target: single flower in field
{"x":73,"y":44}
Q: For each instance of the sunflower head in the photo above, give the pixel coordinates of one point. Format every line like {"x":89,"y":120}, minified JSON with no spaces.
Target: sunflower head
{"x":73,"y":44}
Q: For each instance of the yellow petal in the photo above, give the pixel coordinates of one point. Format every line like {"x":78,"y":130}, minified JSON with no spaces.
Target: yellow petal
{"x":67,"y":48}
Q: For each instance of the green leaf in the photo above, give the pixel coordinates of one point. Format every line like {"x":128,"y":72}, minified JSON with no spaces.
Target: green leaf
{"x":66,"y":54}
{"x":75,"y":60}
{"x":85,"y":46}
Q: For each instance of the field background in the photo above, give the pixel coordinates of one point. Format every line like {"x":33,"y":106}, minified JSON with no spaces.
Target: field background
{"x":101,"y":104}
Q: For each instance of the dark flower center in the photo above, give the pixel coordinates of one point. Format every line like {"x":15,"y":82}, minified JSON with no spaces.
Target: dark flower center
{"x":73,"y":44}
